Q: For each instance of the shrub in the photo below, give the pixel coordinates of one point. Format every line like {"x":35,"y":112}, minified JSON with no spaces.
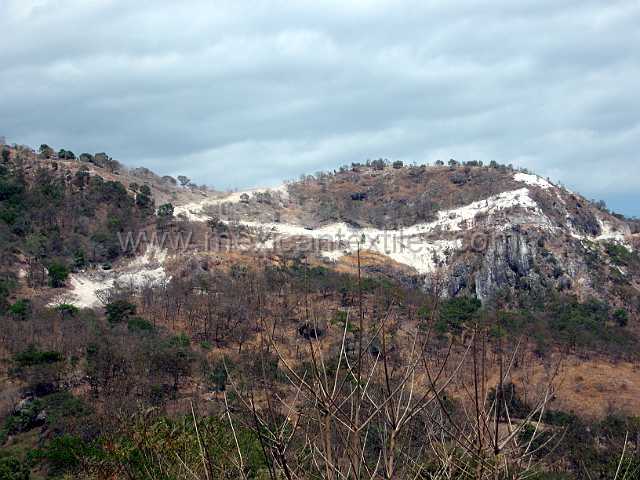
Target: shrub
{"x":63,"y":454}
{"x":458,"y":178}
{"x":581,"y":323}
{"x":66,"y":154}
{"x":621,"y":317}
{"x":378,"y":164}
{"x":165,"y":210}
{"x":509,"y":397}
{"x":181,"y":341}
{"x":620,"y":255}
{"x":5,"y":155}
{"x":143,"y":201}
{"x":13,"y":469}
{"x":541,"y":441}
{"x":456,"y":312}
{"x":67,"y":310}
{"x":22,"y":420}
{"x":58,"y":273}
{"x":32,"y":356}
{"x":45,"y":150}
{"x":218,"y":376}
{"x":20,"y":309}
{"x":139,"y":324}
{"x":423,"y":312}
{"x":119,"y":311}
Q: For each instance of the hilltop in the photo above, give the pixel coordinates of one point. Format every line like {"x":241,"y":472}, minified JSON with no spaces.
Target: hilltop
{"x":485,"y":229}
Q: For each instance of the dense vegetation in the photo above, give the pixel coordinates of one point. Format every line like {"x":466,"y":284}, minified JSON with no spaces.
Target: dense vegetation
{"x":55,"y":221}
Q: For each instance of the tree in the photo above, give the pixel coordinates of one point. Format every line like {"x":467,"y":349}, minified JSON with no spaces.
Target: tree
{"x":45,"y":151}
{"x":165,"y":210}
{"x":58,"y":273}
{"x":184,"y":181}
{"x":378,"y":164}
{"x":5,"y":155}
{"x":143,"y":198}
{"x":20,"y":309}
{"x":66,"y":310}
{"x":218,"y":376}
{"x":66,"y":154}
{"x":81,"y":178}
{"x":119,"y":310}
{"x":456,"y":312}
{"x":167,"y":179}
{"x":100,"y":159}
{"x":174,"y":358}
{"x":86,"y":157}
{"x":621,"y":317}
{"x":398,"y":164}
{"x":112,"y":165}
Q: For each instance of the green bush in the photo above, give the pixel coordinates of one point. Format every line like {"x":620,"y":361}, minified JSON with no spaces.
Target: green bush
{"x":119,"y":311}
{"x":218,"y":376}
{"x":20,"y":309}
{"x":140,"y":458}
{"x":32,"y":356}
{"x":455,"y":313}
{"x":63,"y":454}
{"x":621,"y":317}
{"x":20,"y":421}
{"x":139,"y":324}
{"x":181,"y":341}
{"x":67,"y":310}
{"x":620,"y":255}
{"x":6,"y":154}
{"x":165,"y":210}
{"x":58,"y":407}
{"x":58,"y":273}
{"x":13,"y":469}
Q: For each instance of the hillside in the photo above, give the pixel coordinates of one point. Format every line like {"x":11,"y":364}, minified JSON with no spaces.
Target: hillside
{"x":486,"y":229}
{"x":402,"y":321}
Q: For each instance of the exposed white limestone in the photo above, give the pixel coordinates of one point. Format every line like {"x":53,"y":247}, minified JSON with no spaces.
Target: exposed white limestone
{"x":409,"y":246}
{"x":611,"y":232}
{"x":83,"y":289}
{"x":195,"y":211}
{"x":532,"y":180}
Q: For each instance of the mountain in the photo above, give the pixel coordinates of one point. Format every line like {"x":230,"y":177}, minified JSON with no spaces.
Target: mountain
{"x":443,"y":321}
{"x":480,"y":230}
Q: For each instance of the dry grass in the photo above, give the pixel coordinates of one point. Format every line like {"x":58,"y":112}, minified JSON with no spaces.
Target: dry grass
{"x":590,"y":388}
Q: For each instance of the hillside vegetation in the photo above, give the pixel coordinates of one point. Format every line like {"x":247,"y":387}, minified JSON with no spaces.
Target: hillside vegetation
{"x":511,"y":362}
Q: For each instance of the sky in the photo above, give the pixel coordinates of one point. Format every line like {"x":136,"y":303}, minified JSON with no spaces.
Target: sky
{"x":237,"y":94}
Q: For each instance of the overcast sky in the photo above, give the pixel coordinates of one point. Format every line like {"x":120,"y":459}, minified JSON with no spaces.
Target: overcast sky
{"x":246,"y":93}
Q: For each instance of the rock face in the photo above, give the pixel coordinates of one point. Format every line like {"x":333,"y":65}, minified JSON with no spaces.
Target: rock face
{"x":507,"y":262}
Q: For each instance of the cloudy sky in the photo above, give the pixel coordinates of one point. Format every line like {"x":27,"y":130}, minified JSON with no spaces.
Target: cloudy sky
{"x":245,"y":93}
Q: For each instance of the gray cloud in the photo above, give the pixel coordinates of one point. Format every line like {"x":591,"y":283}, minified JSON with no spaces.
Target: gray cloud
{"x":238,"y":94}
